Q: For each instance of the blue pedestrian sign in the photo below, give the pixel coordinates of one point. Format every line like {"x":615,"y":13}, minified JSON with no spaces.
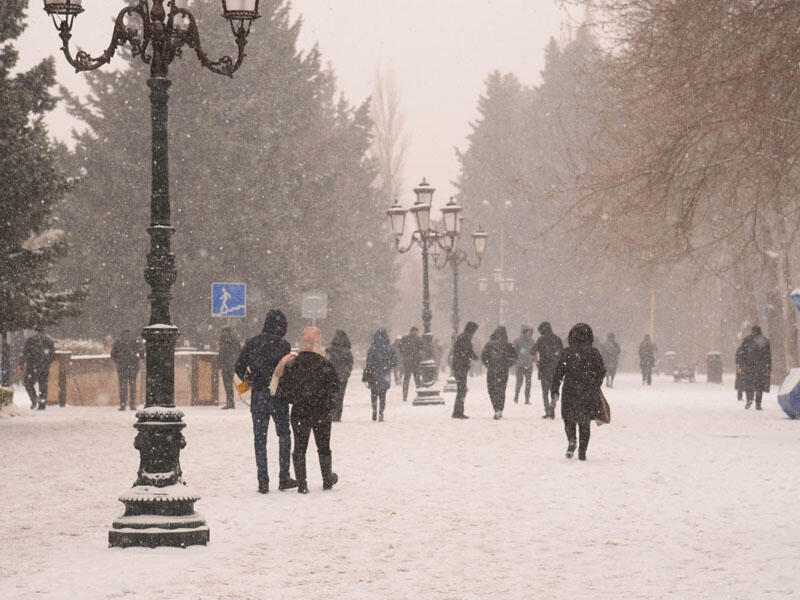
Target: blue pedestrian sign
{"x":228,"y":299}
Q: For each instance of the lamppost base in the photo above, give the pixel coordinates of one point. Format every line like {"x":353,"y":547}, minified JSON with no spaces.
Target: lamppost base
{"x":427,"y":397}
{"x":450,"y":386}
{"x":159,"y":516}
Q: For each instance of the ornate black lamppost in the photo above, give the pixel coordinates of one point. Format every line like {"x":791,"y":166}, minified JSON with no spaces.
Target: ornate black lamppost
{"x":159,"y":509}
{"x":455,"y":258}
{"x":427,"y":238}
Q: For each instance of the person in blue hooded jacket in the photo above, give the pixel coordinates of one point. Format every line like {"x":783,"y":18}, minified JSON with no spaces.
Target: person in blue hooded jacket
{"x":257,"y":361}
{"x":381,"y":359}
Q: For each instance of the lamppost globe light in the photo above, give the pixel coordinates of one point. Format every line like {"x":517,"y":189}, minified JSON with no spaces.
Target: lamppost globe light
{"x":240,"y":9}
{"x":497,"y":274}
{"x":422,"y":215}
{"x":63,"y":7}
{"x":459,"y":224}
{"x":450,"y":216}
{"x":479,"y":241}
{"x":397,"y":219}
{"x":424,"y":192}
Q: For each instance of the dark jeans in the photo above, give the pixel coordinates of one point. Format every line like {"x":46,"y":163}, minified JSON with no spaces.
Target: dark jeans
{"x":461,"y":393}
{"x":584,"y":428}
{"x":262,"y":407}
{"x":497,"y":390}
{"x":647,"y":374}
{"x":227,"y":383}
{"x":523,"y":373}
{"x":549,"y":404}
{"x":322,"y":438}
{"x":378,"y":394}
{"x":336,"y":415}
{"x":758,"y":395}
{"x":127,"y":383}
{"x":37,"y":377}
{"x":406,"y":377}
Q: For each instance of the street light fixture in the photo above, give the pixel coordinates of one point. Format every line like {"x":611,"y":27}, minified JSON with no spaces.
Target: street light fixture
{"x":430,"y":240}
{"x":159,"y":509}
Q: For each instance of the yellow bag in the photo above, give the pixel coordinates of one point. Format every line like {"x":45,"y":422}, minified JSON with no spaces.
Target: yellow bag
{"x":243,"y":387}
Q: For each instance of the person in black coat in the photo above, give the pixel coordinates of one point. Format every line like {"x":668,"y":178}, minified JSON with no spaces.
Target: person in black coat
{"x":647,"y":359}
{"x":37,"y":355}
{"x":580,"y":367}
{"x":461,"y":363}
{"x":228,"y":348}
{"x":257,"y":362}
{"x":498,"y":357}
{"x":125,"y":352}
{"x":548,"y":348}
{"x":610,"y":352}
{"x":377,"y":374}
{"x":410,"y":347}
{"x":309,"y":383}
{"x":756,"y":361}
{"x":341,"y":357}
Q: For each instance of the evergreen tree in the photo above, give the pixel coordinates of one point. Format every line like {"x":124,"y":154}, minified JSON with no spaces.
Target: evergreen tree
{"x":31,"y":185}
{"x":270,"y":185}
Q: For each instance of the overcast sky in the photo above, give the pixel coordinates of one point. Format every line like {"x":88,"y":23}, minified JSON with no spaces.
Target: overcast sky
{"x":440,"y":51}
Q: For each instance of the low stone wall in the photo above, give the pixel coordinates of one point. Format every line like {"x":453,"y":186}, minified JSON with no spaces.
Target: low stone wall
{"x":92,"y":380}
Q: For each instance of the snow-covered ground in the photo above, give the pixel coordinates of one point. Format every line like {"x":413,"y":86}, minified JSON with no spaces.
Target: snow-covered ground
{"x":685,"y":495}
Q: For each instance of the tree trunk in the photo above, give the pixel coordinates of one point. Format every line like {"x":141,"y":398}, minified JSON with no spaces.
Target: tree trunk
{"x":775,"y":321}
{"x":6,"y":364}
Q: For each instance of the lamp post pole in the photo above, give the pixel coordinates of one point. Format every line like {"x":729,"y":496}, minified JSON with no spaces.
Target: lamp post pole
{"x":159,"y":508}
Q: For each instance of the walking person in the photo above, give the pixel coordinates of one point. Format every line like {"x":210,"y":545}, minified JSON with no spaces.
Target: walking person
{"x":498,"y":356}
{"x":397,"y":370}
{"x":377,"y":374}
{"x":463,"y":356}
{"x":580,"y":367}
{"x":739,"y":381}
{"x":411,"y":359}
{"x":125,"y":352}
{"x":309,"y":383}
{"x":37,"y":355}
{"x":647,"y":359}
{"x":756,"y":367}
{"x":341,"y":357}
{"x":257,"y":361}
{"x":547,"y":348}
{"x":228,"y":348}
{"x":610,"y":352}
{"x":524,"y":370}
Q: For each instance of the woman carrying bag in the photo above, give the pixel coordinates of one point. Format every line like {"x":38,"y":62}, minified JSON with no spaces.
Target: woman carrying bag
{"x":580,"y":367}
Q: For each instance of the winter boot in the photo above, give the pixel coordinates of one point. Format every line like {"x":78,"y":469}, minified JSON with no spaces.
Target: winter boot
{"x":329,"y":478}
{"x":374,"y":413}
{"x":582,"y":455}
{"x":748,"y":404}
{"x":263,"y":487}
{"x":122,"y":407}
{"x":287,"y":483}
{"x":228,"y":407}
{"x":380,"y":416}
{"x":300,"y":472}
{"x":570,"y":450}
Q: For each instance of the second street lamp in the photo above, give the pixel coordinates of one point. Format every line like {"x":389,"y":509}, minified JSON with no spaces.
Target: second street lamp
{"x":455,"y":258}
{"x":159,"y":508}
{"x":429,"y":240}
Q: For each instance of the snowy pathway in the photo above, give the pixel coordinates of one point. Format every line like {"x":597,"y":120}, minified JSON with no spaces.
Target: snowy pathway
{"x":685,"y":495}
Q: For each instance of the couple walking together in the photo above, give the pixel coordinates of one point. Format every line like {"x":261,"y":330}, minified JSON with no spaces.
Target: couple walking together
{"x":278,"y":378}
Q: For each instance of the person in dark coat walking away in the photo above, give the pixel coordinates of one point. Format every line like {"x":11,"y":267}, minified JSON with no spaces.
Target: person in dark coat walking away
{"x":498,"y":356}
{"x":463,"y":355}
{"x":125,"y":352}
{"x":756,"y":367}
{"x":377,"y":374}
{"x":257,"y":362}
{"x":610,"y":352}
{"x":548,"y":348}
{"x":647,"y":359}
{"x":580,"y":367}
{"x":228,"y":348}
{"x":524,"y":370}
{"x":340,"y":356}
{"x":411,"y":359}
{"x":309,"y":383}
{"x":37,"y":355}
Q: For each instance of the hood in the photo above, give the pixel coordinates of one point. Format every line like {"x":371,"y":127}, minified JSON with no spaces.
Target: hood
{"x":381,"y":338}
{"x":580,"y":335}
{"x":525,"y":328}
{"x":756,"y":330}
{"x":500,"y":335}
{"x":340,"y":339}
{"x":275,"y":323}
{"x":311,"y":341}
{"x":544,"y":328}
{"x":471,"y":327}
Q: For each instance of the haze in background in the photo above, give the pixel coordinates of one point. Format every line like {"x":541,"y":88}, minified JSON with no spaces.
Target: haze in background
{"x":440,"y":51}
